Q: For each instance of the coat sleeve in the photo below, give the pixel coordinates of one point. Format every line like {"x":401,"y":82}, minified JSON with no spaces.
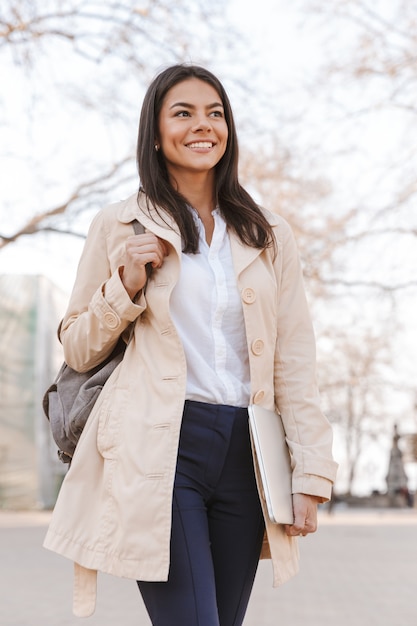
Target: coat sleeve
{"x":99,"y":308}
{"x":308,"y":432}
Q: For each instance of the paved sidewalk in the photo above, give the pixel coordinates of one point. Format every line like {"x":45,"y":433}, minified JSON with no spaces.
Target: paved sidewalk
{"x":360,"y":569}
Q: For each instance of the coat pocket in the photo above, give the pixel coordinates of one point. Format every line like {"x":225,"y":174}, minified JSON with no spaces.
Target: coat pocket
{"x":109,"y":422}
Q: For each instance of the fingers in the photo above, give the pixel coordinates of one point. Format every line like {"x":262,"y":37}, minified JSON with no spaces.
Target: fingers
{"x":141,"y":250}
{"x":146,"y":248}
{"x":305,"y":516}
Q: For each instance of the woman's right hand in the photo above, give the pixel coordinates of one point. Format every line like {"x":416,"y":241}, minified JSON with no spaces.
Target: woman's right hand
{"x":140,"y":250}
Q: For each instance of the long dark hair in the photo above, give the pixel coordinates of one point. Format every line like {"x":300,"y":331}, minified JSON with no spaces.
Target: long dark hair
{"x":239,"y":210}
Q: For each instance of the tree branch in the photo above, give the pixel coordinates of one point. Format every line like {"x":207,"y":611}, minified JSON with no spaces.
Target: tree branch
{"x":40,"y":221}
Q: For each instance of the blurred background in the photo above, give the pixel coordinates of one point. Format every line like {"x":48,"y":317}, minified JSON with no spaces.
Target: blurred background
{"x":324,"y":95}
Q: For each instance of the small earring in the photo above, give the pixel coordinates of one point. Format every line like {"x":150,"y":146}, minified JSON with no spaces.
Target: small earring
{"x":156,"y":147}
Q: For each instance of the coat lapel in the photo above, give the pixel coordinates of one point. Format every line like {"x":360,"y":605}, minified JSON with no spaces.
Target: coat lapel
{"x":242,"y":255}
{"x":163,"y":227}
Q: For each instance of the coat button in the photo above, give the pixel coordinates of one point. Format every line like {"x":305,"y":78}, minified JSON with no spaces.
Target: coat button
{"x":257,"y":346}
{"x":258,"y":397}
{"x":248,"y":295}
{"x":111,"y":320}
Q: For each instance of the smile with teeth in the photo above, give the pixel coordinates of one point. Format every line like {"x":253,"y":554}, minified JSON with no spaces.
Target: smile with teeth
{"x":200,"y":144}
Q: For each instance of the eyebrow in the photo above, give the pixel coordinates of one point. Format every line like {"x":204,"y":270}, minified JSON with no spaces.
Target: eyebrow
{"x":186,"y":105}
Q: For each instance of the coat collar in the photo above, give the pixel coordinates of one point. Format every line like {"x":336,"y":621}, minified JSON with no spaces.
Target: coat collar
{"x":162,"y":225}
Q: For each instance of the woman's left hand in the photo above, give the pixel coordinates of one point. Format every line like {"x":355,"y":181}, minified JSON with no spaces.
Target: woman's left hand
{"x":305,"y":515}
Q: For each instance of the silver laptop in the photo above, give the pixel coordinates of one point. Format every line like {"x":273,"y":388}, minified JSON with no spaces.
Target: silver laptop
{"x":273,"y":461}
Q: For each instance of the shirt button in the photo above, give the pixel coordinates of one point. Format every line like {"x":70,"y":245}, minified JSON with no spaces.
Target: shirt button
{"x":248,"y":295}
{"x":111,"y":320}
{"x":257,"y":347}
{"x":258,"y":397}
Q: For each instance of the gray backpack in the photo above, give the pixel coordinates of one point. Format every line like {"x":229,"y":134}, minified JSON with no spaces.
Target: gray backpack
{"x":68,"y":402}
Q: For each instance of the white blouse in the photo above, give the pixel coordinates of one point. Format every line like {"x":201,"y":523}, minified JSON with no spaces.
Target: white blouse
{"x":207,"y":311}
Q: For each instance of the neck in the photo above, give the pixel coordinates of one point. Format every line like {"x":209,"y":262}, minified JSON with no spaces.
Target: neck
{"x":198,"y":190}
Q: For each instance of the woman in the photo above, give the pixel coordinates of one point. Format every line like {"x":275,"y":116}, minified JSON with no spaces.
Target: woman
{"x":162,"y":487}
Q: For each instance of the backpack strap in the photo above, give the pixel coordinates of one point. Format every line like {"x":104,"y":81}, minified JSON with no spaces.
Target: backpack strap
{"x":138,"y":227}
{"x":139,"y":230}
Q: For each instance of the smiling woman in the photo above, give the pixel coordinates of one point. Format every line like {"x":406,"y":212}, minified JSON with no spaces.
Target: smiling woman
{"x":192,"y":136}
{"x":243,"y":215}
{"x":162,"y":486}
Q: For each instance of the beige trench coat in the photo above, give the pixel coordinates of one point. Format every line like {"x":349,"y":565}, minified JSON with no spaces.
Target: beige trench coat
{"x":113,"y":512}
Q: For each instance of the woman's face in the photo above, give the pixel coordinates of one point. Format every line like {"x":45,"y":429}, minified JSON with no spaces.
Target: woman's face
{"x":192,"y":128}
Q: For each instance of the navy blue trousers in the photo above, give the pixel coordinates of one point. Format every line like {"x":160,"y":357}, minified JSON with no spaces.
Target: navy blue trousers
{"x":217,"y":523}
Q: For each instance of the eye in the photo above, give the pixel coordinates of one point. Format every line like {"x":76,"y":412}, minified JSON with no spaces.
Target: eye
{"x":216,"y":114}
{"x":182,"y":114}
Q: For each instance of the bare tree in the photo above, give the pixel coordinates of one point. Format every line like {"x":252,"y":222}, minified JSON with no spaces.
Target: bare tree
{"x":90,"y":61}
{"x":364,"y":89}
{"x":130,"y":31}
{"x":356,"y":381}
{"x":284,"y":186}
{"x":368,"y":79}
{"x":59,"y":219}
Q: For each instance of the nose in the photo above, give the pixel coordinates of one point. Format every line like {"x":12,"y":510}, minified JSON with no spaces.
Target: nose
{"x":202,"y":124}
